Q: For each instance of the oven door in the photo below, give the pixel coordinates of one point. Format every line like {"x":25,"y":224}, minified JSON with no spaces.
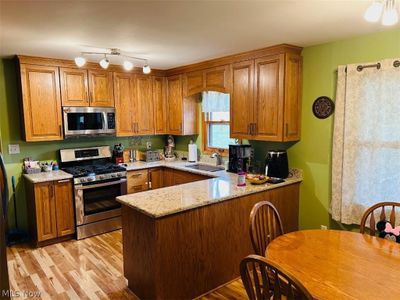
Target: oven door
{"x":81,"y":121}
{"x":95,"y":202}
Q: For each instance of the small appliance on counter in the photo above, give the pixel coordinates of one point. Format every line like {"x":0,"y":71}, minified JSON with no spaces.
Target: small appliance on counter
{"x":276,"y":164}
{"x":192,"y":152}
{"x":118,"y":154}
{"x":152,"y":156}
{"x":170,"y":148}
{"x":240,"y":157}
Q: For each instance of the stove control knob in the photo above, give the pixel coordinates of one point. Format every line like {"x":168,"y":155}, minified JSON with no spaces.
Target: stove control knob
{"x":113,"y":175}
{"x":118,"y":174}
{"x":101,"y":177}
{"x":90,"y":179}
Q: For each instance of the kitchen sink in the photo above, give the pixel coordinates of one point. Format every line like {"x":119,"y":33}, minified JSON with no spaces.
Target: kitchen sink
{"x":203,"y":167}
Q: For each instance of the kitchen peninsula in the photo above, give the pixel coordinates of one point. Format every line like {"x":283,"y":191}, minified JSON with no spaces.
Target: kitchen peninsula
{"x":184,"y":240}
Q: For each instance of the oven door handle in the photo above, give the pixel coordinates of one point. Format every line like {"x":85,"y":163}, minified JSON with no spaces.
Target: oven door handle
{"x":92,"y":186}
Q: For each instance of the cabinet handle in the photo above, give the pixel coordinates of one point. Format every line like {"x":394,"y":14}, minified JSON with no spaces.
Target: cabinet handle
{"x":255,"y":128}
{"x":60,"y":128}
{"x":249,"y":128}
{"x":136,"y":175}
{"x":137,"y":127}
{"x":286,"y":129}
{"x":51,"y":191}
{"x":63,"y":181}
{"x":180,"y":126}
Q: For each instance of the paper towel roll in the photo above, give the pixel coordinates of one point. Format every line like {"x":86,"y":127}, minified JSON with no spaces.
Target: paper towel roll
{"x":192,"y":153}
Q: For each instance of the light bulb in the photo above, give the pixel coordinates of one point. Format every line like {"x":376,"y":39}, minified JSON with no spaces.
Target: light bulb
{"x":127,"y":65}
{"x":104,"y":63}
{"x":390,"y":16}
{"x":374,"y":11}
{"x":80,"y":61}
{"x":146,"y":69}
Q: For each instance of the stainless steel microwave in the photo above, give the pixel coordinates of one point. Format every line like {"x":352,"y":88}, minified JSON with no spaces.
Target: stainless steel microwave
{"x":88,"y":121}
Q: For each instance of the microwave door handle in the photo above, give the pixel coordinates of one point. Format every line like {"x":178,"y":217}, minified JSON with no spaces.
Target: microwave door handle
{"x":105,"y":121}
{"x":92,"y":186}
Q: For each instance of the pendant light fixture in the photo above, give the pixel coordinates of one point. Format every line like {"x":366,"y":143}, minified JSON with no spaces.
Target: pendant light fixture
{"x":127,"y":64}
{"x":384,"y":10}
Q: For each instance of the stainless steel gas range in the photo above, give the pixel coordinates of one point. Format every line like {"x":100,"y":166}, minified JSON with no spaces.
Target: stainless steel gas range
{"x":97,"y":182}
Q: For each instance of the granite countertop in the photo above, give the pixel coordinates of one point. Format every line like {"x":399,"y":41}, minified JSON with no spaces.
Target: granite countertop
{"x":47,"y":176}
{"x":169,"y":200}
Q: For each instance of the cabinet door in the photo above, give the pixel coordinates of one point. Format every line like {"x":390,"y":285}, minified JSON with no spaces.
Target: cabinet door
{"x":269,"y":98}
{"x":64,"y":207}
{"x":45,"y":207}
{"x":217,"y":79}
{"x":168,"y":177}
{"x":101,"y":88}
{"x":160,"y":105}
{"x":124,"y":94}
{"x":41,"y":103}
{"x":194,"y":83}
{"x":137,"y":181}
{"x":144,"y":105}
{"x":292,"y":113}
{"x":175,"y":104}
{"x":155,"y":178}
{"x":74,"y":87}
{"x":242,"y":99}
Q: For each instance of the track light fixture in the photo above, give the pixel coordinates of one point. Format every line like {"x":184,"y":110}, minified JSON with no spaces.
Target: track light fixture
{"x":127,"y":64}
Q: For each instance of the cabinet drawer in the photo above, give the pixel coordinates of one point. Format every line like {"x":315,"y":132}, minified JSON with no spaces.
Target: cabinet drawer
{"x":137,"y":181}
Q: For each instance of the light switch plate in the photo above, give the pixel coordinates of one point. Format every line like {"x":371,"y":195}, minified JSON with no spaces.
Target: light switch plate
{"x":13,"y":149}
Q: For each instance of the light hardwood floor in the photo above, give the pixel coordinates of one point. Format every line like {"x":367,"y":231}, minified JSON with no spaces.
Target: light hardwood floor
{"x":87,"y":269}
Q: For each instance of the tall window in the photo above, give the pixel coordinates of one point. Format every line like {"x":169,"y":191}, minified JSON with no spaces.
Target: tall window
{"x":366,"y":141}
{"x":216,"y":122}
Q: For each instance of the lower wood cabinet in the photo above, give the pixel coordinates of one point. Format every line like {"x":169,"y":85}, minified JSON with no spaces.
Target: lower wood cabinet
{"x":155,"y":178}
{"x":52,"y":211}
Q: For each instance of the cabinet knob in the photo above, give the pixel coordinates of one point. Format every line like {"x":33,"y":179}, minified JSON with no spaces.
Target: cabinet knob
{"x":286,"y":129}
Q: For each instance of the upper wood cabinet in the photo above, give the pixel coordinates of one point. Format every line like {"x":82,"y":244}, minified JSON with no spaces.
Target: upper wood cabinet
{"x":242,"y":104}
{"x":217,"y":79}
{"x":41,"y":103}
{"x":124,"y":88}
{"x":160,"y":105}
{"x":292,"y":107}
{"x":101,"y":88}
{"x":212,"y":79}
{"x":144,"y":105}
{"x":182,"y":111}
{"x":266,"y":98}
{"x":74,"y":87}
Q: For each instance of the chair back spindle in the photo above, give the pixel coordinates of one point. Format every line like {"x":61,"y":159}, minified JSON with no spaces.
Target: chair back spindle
{"x":370,"y":212}
{"x":265,"y":225}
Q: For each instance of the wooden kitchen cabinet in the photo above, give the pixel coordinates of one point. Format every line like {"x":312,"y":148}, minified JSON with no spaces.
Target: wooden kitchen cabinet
{"x":182,"y":111}
{"x":241,"y":100}
{"x":144,"y":105}
{"x":181,"y":177}
{"x":74,"y":87}
{"x":41,"y":103}
{"x":65,"y":216}
{"x":124,"y":87}
{"x":266,"y":98}
{"x":137,"y":181}
{"x":160,"y":105}
{"x":212,"y":79}
{"x":156,"y":178}
{"x":101,"y":88}
{"x":51,"y":209}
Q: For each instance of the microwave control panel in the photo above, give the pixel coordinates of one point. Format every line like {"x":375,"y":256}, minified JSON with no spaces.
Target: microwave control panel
{"x":111,"y":120}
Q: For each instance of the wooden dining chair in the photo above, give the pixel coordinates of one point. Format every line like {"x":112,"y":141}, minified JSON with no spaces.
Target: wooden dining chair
{"x":265,"y":225}
{"x":370,"y":212}
{"x":255,"y":272}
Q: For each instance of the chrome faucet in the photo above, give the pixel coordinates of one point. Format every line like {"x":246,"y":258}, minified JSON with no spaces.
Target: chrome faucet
{"x":218,"y":156}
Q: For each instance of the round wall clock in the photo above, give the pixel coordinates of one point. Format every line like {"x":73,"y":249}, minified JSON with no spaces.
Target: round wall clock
{"x":323,"y":107}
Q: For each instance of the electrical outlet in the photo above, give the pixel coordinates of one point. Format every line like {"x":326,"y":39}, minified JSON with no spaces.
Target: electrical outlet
{"x":13,"y":149}
{"x":148,"y":145}
{"x":324,"y":227}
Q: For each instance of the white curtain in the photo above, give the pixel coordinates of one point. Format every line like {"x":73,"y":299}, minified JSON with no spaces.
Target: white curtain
{"x":366,"y":140}
{"x":215,"y":102}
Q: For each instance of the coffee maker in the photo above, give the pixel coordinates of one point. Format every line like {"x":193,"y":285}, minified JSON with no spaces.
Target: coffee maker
{"x":240,"y":158}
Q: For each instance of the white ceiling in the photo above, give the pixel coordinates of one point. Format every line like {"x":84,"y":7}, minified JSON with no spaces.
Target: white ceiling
{"x":173,"y":33}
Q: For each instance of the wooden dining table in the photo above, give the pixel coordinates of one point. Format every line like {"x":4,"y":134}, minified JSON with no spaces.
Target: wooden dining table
{"x":334,"y":264}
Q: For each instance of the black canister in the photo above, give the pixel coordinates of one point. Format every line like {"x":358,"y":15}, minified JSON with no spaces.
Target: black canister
{"x":276,"y":164}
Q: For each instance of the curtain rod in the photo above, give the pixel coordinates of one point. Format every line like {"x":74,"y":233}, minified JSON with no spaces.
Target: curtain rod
{"x":396,"y":64}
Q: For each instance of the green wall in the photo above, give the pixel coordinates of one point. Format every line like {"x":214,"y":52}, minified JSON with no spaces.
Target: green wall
{"x":11,"y":133}
{"x":313,"y":152}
